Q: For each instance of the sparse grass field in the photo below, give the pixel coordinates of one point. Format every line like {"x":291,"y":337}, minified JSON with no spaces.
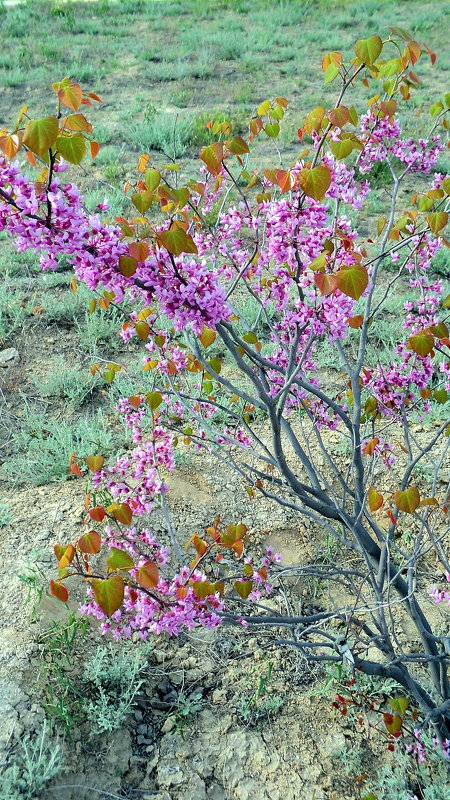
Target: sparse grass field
{"x":163,"y":68}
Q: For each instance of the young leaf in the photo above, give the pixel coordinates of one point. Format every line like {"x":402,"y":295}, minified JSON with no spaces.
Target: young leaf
{"x":352,"y":281}
{"x":376,"y":499}
{"x":437,"y":221}
{"x":59,"y":591}
{"x":90,"y":542}
{"x":243,"y":588}
{"x":407,"y":500}
{"x":109,"y":593}
{"x":212,"y":156}
{"x":421,"y":343}
{"x":315,"y":182}
{"x":119,"y":559}
{"x":72,"y":147}
{"x":41,"y":134}
{"x":177,"y":241}
{"x":127,"y":265}
{"x":121,"y":512}
{"x":368,"y":50}
{"x":70,"y":95}
{"x":147,"y":576}
{"x":95,"y":463}
{"x":207,"y":336}
{"x":154,"y":399}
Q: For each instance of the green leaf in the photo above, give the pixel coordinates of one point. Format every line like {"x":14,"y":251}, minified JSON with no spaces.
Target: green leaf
{"x":127,"y":265}
{"x":121,"y":512}
{"x":368,"y":50}
{"x":341,"y":149}
{"x":215,"y":364}
{"x":177,"y":241}
{"x":440,"y":395}
{"x":238,"y":146}
{"x":142,"y":201}
{"x":408,"y":500}
{"x":109,"y":593}
{"x":331,"y":72}
{"x":315,"y":182}
{"x":41,"y":134}
{"x":119,"y":559}
{"x":400,"y":704}
{"x":152,"y":179}
{"x":352,"y":281}
{"x":154,"y":399}
{"x":243,"y":588}
{"x":421,"y":343}
{"x":212,"y":156}
{"x":437,"y":220}
{"x":72,"y":147}
{"x":272,"y":129}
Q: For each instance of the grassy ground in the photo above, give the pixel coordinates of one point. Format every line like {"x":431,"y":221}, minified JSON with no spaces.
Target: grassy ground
{"x":163,"y":70}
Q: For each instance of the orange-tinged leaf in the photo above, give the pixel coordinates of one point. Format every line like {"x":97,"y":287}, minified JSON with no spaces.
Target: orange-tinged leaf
{"x":11,"y":144}
{"x":407,"y":500}
{"x":314,"y":119}
{"x":147,"y":576}
{"x":339,"y":116}
{"x":212,"y":157}
{"x":139,"y":250}
{"x":67,"y":556}
{"x":90,"y":542}
{"x":355,"y":322}
{"x":94,"y":147}
{"x":41,"y":134}
{"x":121,"y":512}
{"x":326,"y":284}
{"x":207,"y":336}
{"x":370,"y":446}
{"x":59,"y":591}
{"x":71,"y":95}
{"x":142,"y":329}
{"x":352,"y":281}
{"x":238,"y":146}
{"x":315,"y":182}
{"x":77,"y":122}
{"x":109,"y":593}
{"x":95,"y":463}
{"x":376,"y":499}
{"x":97,"y":513}
{"x":74,"y":468}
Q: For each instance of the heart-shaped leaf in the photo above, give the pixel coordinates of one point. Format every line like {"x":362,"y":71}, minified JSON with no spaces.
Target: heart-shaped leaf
{"x":368,"y":50}
{"x":72,"y":147}
{"x":437,"y":221}
{"x":207,"y":336}
{"x":212,"y":156}
{"x":352,"y":281}
{"x":243,"y":588}
{"x":41,"y":134}
{"x":407,"y":500}
{"x":119,"y":559}
{"x":315,"y":182}
{"x":421,"y":343}
{"x":147,"y":576}
{"x":109,"y":593}
{"x":177,"y":241}
{"x":376,"y":499}
{"x":59,"y":591}
{"x":95,"y":463}
{"x":90,"y":542}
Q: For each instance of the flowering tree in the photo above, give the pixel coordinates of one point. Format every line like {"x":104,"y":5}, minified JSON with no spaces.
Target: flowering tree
{"x":281,"y":241}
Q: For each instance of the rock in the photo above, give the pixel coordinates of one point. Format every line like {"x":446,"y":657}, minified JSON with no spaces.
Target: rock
{"x":168,"y":725}
{"x":9,"y":356}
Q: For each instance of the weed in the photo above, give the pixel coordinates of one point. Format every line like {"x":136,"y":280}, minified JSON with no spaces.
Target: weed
{"x":43,"y":447}
{"x":100,"y":331}
{"x":112,"y":680}
{"x":188,"y":705}
{"x":5,"y":515}
{"x":256,"y":704}
{"x":441,"y":263}
{"x":73,"y":384}
{"x":165,"y":131}
{"x":31,"y":766}
{"x":35,"y":580}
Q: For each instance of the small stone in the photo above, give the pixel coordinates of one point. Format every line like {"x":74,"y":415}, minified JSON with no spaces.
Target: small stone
{"x":168,"y":725}
{"x":8,"y":356}
{"x":138,"y":715}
